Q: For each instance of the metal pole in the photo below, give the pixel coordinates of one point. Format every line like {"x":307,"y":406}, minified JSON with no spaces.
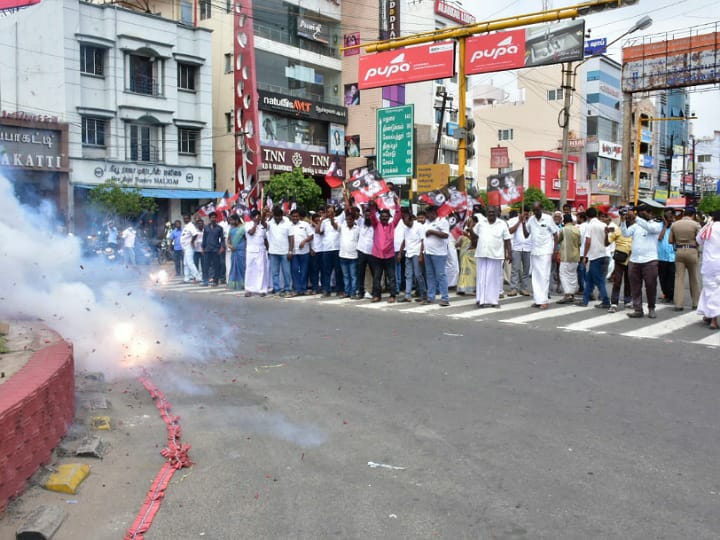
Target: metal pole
{"x":567,"y":89}
{"x":682,"y":178}
{"x":626,"y":142}
{"x":637,"y":158}
{"x":694,"y":162}
{"x":670,"y":153}
{"x":462,"y":90}
{"x":440,"y":125}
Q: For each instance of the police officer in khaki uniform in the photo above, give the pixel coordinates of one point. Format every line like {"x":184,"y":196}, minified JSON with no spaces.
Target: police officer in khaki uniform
{"x":682,"y":236}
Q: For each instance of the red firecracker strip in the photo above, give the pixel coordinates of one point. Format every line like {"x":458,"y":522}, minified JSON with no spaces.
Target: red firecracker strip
{"x":176,"y":455}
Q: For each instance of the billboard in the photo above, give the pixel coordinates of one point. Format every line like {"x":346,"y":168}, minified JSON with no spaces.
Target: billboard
{"x":15,"y":4}
{"x":533,"y":46}
{"x":407,"y":65}
{"x":688,"y":61}
{"x":504,"y":189}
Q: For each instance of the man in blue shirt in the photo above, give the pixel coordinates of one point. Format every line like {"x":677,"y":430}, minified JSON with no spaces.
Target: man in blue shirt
{"x":177,"y":247}
{"x":666,"y":259}
{"x":213,"y":245}
{"x":643,"y":259}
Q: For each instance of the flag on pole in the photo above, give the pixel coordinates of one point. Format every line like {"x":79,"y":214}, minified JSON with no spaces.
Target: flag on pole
{"x":334,"y":175}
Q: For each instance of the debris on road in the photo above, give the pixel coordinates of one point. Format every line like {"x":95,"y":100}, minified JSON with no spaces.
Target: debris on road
{"x":374,"y":465}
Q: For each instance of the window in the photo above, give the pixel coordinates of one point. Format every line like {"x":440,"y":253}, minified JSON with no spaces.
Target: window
{"x":229,"y":122}
{"x":145,"y":142}
{"x":555,"y":95}
{"x":92,"y":60}
{"x":186,"y":12}
{"x":704,"y":158}
{"x":93,"y":131}
{"x":142,"y":75}
{"x":228,"y":6}
{"x":505,"y":134}
{"x":228,"y":63}
{"x":187,"y":141}
{"x":186,"y":77}
{"x":205,"y":9}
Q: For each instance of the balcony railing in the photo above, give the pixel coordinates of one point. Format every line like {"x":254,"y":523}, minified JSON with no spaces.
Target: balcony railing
{"x":146,"y":154}
{"x":142,"y":84}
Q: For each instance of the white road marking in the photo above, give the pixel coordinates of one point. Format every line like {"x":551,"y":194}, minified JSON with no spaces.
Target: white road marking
{"x":546,"y":314}
{"x":656,"y":330}
{"x":436,"y":306}
{"x":585,"y":325}
{"x":478,"y":313}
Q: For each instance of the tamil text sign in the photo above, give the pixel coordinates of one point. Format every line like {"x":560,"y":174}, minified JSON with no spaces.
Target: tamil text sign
{"x":432,"y":177}
{"x":533,"y":46}
{"x":453,"y":12}
{"x":395,"y":150}
{"x":499,"y":158}
{"x":676,"y":63}
{"x":408,"y":65}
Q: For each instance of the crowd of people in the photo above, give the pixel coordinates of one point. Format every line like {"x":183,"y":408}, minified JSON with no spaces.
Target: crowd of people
{"x":361,"y":252}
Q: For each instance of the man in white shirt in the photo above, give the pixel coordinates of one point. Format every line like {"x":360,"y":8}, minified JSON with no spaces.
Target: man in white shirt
{"x":593,"y":249}
{"x":437,"y":231}
{"x":316,"y":254}
{"x":643,"y":259}
{"x":189,"y":232}
{"x":412,"y":245}
{"x":329,"y":231}
{"x":302,"y":234}
{"x":397,"y":244}
{"x":520,"y":276}
{"x":493,"y":246}
{"x":348,"y":255}
{"x":280,"y":248}
{"x":365,"y":246}
{"x":543,"y":233}
{"x":128,"y":236}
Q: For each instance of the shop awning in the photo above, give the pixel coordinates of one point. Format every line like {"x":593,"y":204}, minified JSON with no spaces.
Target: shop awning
{"x":171,"y":193}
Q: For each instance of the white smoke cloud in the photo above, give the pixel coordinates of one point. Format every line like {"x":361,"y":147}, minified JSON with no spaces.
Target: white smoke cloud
{"x":112,"y":326}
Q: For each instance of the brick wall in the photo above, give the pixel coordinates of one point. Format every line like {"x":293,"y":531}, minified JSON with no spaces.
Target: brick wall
{"x":36,"y":409}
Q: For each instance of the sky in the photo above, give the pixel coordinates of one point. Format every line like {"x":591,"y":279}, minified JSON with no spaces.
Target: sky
{"x":669,"y":16}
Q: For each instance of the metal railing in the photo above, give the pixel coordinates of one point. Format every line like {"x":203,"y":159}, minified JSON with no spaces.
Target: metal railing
{"x":142,"y":84}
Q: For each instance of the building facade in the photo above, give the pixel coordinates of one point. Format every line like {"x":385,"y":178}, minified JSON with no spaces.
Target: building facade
{"x":707,"y":164}
{"x":130,"y":91}
{"x":528,"y":123}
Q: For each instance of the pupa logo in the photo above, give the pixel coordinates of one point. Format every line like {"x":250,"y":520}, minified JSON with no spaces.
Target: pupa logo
{"x":501,"y":49}
{"x":396,"y":65}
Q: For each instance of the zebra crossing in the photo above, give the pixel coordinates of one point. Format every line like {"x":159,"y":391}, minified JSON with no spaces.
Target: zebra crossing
{"x":670,"y":326}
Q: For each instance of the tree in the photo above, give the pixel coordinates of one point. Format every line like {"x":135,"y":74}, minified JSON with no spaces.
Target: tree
{"x":303,"y":189}
{"x":709,"y":204}
{"x":532,"y":195}
{"x":123,"y":203}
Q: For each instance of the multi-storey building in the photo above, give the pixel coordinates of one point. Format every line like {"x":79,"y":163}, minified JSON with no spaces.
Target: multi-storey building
{"x":707,"y":164}
{"x":601,"y":103}
{"x":529,"y":123}
{"x":129,"y":99}
{"x":673,"y":136}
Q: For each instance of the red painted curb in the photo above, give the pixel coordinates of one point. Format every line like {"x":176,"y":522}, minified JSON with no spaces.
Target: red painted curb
{"x":37,"y":405}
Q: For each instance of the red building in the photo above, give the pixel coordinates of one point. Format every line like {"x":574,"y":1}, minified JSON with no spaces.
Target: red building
{"x":544,"y":174}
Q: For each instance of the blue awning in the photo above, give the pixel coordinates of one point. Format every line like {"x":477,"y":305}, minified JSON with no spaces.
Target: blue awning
{"x":171,"y":193}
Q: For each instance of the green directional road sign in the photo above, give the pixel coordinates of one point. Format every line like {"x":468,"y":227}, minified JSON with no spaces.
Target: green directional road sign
{"x":395,"y":142}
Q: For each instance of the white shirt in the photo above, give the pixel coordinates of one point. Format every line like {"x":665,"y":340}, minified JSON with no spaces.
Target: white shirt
{"x":491,"y":239}
{"x":186,"y":238}
{"x":645,"y":239}
{"x":595,"y":231}
{"x":399,"y":236}
{"x":434,"y":245}
{"x":414,"y":237}
{"x":541,"y":234}
{"x":519,"y":242}
{"x":129,"y":237}
{"x":300,"y":231}
{"x":366,"y":240}
{"x":255,"y":242}
{"x":330,"y":235}
{"x":278,"y":235}
{"x":349,"y":241}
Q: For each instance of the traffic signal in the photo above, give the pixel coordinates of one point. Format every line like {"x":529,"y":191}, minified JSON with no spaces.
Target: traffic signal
{"x":469,"y":138}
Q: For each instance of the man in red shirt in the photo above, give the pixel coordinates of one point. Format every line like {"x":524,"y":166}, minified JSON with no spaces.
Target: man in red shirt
{"x":383,"y":259}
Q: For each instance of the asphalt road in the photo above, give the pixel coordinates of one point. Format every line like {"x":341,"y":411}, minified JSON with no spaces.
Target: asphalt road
{"x":503,"y":432}
{"x":498,"y":430}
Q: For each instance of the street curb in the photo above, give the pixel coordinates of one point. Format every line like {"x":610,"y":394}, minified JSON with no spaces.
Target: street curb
{"x":37,"y":405}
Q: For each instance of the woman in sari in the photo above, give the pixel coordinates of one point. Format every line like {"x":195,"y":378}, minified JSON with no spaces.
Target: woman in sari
{"x":709,"y":239}
{"x":236,"y":245}
{"x":467,"y":244}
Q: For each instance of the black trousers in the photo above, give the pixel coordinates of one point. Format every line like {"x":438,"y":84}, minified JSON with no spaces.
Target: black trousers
{"x":364,"y":261}
{"x":666,"y":273}
{"x":212,"y":264}
{"x":380,"y":267}
{"x":178,"y":259}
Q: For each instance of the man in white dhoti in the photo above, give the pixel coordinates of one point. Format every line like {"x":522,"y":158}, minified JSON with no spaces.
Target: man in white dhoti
{"x":543,"y":234}
{"x":709,"y":303}
{"x":493,"y":246}
{"x":257,"y":275}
